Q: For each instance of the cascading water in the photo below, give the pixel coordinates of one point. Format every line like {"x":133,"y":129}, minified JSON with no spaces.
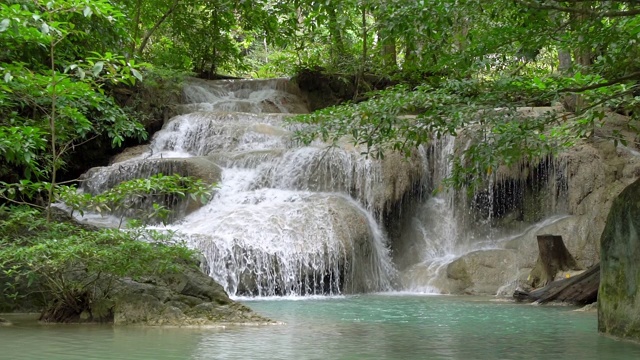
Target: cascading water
{"x":450,"y":225}
{"x":284,"y":220}
{"x":291,"y":220}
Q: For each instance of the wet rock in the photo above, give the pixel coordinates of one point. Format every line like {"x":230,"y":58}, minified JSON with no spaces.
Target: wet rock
{"x":593,"y":307}
{"x":481,"y":272}
{"x":5,"y":322}
{"x":130,"y":153}
{"x":189,"y":298}
{"x":618,"y":302}
{"x":100,"y":179}
{"x":279,"y":243}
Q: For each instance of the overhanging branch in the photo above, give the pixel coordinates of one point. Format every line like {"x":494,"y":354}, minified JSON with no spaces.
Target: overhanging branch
{"x":555,"y":6}
{"x":635,"y":75}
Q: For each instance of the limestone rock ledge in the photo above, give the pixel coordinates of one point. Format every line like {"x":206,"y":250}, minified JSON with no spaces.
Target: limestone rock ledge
{"x":189,"y":298}
{"x":618,"y":305}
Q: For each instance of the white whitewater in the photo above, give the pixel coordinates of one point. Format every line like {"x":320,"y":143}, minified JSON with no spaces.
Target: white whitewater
{"x":282,"y":222}
{"x":444,"y":227}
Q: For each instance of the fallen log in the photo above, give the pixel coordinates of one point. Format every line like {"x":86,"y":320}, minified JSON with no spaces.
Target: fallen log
{"x":579,"y":290}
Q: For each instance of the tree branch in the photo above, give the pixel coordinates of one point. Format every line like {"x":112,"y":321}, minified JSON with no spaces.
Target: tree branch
{"x":155,"y":27}
{"x":547,"y":6}
{"x":601,"y":85}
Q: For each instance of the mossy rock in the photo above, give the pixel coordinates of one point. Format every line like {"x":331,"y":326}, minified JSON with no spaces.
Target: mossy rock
{"x":619,"y":293}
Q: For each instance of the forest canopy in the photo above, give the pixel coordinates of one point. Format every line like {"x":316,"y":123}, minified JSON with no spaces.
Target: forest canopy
{"x":63,"y":62}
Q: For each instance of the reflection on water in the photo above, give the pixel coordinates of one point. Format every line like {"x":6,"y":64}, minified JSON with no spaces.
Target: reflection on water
{"x":361,"y":327}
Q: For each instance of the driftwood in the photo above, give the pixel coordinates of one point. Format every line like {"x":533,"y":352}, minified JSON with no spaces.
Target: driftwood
{"x":580,"y":290}
{"x":553,"y":257}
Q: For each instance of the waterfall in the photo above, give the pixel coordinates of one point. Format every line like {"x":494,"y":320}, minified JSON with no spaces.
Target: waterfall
{"x":456,"y":223}
{"x":284,"y":219}
{"x":324,"y":220}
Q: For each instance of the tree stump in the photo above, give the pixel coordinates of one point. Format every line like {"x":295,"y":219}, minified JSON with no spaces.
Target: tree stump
{"x":553,"y":257}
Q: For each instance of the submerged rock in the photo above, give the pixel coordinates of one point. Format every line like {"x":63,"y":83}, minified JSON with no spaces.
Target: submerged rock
{"x":5,"y":322}
{"x":619,"y":297}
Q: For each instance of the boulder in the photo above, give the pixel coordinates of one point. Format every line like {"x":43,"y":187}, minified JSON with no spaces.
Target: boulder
{"x":482,"y":272}
{"x":100,"y":179}
{"x":619,"y":294}
{"x":479,"y":272}
{"x":188,"y":298}
{"x":275,"y":242}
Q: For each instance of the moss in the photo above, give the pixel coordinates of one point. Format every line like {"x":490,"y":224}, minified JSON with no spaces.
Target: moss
{"x":618,"y":310}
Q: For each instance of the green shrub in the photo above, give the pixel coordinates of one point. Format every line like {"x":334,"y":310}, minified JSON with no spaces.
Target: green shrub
{"x":72,"y":267}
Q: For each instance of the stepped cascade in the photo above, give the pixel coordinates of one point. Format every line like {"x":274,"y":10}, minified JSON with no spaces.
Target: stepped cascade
{"x":292,"y":220}
{"x":284,"y":220}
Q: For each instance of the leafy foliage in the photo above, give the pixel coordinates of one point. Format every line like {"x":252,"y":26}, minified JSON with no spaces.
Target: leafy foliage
{"x":49,"y":92}
{"x":72,"y":267}
{"x":470,"y":64}
{"x":158,"y":191}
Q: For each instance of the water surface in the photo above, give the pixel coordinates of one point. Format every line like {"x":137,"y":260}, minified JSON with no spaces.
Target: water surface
{"x":358,"y":327}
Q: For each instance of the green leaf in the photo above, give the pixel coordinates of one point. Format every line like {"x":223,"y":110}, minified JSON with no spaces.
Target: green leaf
{"x":4,"y":24}
{"x":97,"y":68}
{"x":44,"y":28}
{"x":8,"y":77}
{"x":87,"y":12}
{"x":136,"y":73}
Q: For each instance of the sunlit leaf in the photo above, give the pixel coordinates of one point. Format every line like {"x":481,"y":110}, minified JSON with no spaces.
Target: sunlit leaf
{"x":97,"y":68}
{"x":136,"y":73}
{"x":4,"y":24}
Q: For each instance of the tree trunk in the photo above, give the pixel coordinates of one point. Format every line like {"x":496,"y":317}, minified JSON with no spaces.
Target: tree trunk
{"x":410,"y":56}
{"x":564,"y":66}
{"x":337,"y":48}
{"x":564,"y":61}
{"x":553,"y":257}
{"x":156,"y":26}
{"x":389,"y":54}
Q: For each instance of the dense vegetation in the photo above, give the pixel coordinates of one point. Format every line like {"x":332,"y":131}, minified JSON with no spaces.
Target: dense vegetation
{"x":472,"y":63}
{"x":65,"y":64}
